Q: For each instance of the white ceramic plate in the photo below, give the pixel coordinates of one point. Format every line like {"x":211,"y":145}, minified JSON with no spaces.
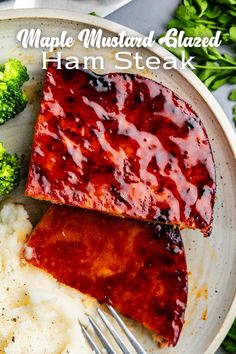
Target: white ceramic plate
{"x":211,"y":261}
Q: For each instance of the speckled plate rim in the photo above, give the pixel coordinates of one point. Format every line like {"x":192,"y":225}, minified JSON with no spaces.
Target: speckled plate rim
{"x":186,"y":74}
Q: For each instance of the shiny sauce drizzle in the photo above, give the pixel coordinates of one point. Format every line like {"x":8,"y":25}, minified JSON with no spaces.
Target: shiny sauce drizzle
{"x":121,"y":144}
{"x":137,"y":267}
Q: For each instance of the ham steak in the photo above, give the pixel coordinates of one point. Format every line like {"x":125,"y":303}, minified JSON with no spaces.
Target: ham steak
{"x":137,"y":267}
{"x":122,"y":144}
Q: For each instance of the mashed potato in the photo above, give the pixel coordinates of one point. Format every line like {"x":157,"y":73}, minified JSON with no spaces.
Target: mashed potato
{"x":37,"y":314}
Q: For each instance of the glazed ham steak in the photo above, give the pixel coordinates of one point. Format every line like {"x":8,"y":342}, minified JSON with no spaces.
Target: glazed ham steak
{"x":124,"y":145}
{"x":137,"y":267}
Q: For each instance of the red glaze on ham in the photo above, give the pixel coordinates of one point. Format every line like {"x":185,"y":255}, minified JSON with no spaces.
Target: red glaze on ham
{"x":137,"y":267}
{"x":122,"y":144}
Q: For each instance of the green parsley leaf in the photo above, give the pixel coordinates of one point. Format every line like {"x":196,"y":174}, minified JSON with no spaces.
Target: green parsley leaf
{"x":225,"y":18}
{"x":93,"y":13}
{"x":232,"y":33}
{"x":212,"y":11}
{"x":175,"y":23}
{"x":232,"y":80}
{"x":202,"y":18}
{"x":202,"y":4}
{"x":233,"y":12}
{"x":219,"y":82}
{"x":186,"y":13}
{"x":204,"y":74}
{"x":229,"y":2}
{"x":210,"y":80}
{"x":232,"y":95}
{"x":199,"y":31}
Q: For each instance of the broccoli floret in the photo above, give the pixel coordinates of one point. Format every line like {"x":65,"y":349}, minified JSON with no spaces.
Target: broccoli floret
{"x":12,"y":99}
{"x":9,"y":171}
{"x":14,"y":71}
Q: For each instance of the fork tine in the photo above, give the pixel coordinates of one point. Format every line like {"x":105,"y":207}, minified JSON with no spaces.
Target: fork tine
{"x":138,"y":348}
{"x":101,"y":337}
{"x":89,"y":339}
{"x":113,"y":332}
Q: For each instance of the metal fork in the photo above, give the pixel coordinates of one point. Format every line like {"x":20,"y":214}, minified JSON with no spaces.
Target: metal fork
{"x":109,"y":348}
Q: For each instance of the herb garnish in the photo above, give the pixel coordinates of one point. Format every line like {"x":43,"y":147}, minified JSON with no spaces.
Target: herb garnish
{"x":202,"y":18}
{"x":93,"y":13}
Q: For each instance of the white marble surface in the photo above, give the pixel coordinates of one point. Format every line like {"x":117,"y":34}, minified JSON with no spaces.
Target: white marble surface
{"x":101,"y":7}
